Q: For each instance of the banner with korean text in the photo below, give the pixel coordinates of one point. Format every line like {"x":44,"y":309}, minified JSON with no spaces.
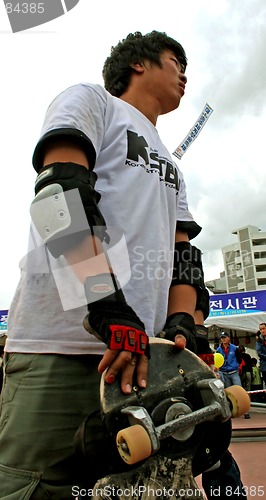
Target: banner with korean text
{"x":228,"y":304}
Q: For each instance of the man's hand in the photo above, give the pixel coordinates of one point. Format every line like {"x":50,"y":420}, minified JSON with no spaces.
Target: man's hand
{"x":130,"y":365}
{"x":118,"y":326}
{"x":180,"y":328}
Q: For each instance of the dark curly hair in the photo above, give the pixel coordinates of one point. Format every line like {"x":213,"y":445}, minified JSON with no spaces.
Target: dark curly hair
{"x":136,"y":48}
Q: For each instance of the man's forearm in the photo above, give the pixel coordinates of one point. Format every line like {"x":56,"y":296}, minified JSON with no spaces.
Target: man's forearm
{"x":88,"y":258}
{"x":182,"y":298}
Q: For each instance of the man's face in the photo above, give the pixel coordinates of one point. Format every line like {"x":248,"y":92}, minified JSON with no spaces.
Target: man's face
{"x":167,"y":83}
{"x":225,"y":341}
{"x":263,"y":330}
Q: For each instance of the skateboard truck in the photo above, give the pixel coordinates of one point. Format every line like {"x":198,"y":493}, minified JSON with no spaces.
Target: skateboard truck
{"x":180,"y":421}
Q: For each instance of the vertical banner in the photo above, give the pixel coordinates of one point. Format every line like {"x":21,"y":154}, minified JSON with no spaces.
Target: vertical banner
{"x":194,"y":131}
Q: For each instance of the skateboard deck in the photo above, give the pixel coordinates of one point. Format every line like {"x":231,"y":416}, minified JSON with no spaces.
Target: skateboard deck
{"x":169,"y":432}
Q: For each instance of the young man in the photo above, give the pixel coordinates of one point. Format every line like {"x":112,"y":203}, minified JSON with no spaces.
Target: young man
{"x":104,"y":180}
{"x":261,"y":349}
{"x":111,"y":236}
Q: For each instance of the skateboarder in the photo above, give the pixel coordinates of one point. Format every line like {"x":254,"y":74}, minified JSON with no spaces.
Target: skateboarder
{"x":110,"y":236}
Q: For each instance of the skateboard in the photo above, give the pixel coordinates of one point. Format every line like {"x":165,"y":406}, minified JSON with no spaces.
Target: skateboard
{"x":170,"y":432}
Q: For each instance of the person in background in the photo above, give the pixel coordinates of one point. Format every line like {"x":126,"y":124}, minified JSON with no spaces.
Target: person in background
{"x":256,"y":382}
{"x":246,"y":372}
{"x":229,"y":371}
{"x":261,"y":349}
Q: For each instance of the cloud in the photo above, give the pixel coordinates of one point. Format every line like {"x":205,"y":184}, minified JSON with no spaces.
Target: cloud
{"x":224,"y":169}
{"x":231,"y":59}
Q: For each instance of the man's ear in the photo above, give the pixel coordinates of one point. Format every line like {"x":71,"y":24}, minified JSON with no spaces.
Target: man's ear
{"x":138,"y":67}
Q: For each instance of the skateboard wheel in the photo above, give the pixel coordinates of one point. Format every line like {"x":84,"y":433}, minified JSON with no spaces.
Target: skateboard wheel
{"x":133,"y":444}
{"x":239,"y":400}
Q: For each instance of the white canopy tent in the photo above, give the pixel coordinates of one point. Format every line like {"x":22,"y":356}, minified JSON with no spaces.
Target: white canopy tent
{"x":244,"y":322}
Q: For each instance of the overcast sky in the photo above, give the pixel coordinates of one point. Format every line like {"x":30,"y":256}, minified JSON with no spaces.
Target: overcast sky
{"x":225,"y":42}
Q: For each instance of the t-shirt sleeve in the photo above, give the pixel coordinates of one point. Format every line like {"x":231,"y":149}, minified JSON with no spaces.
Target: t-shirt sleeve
{"x":77,"y":114}
{"x":185,"y":221}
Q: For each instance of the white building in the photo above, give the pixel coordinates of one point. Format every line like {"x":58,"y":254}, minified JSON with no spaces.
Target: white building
{"x":245,"y":260}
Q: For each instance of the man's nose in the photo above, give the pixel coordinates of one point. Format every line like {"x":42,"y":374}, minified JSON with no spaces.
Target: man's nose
{"x":184,"y":78}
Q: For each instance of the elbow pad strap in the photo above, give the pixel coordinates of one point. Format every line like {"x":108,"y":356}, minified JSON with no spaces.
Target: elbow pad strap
{"x":105,"y":287}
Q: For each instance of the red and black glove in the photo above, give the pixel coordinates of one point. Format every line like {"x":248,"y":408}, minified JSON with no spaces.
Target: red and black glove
{"x":111,"y":319}
{"x":180,"y":324}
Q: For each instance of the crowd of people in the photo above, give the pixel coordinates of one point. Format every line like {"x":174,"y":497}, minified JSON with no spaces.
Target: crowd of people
{"x":239,"y":368}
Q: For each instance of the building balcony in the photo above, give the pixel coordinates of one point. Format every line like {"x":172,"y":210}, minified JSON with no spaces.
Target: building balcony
{"x":261,"y":287}
{"x":261,"y":274}
{"x":260,"y":262}
{"x":258,"y":248}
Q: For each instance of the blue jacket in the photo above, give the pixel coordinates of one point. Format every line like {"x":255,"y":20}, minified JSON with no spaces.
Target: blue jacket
{"x":231,"y":362}
{"x":261,"y":350}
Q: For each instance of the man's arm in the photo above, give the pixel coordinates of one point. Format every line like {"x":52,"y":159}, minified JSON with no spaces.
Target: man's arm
{"x":260,"y":350}
{"x":131,"y":354}
{"x":187,"y":280}
{"x":80,"y":257}
{"x":182,"y":297}
{"x":188,"y":298}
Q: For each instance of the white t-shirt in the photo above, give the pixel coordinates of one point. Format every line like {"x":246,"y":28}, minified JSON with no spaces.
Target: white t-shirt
{"x":142,"y":196}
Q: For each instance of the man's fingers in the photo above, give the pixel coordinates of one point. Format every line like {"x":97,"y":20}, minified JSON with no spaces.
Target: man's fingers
{"x":127,"y":376}
{"x":107,"y":360}
{"x":180,"y":341}
{"x":115,"y":361}
{"x":142,"y":371}
{"x":139,"y":366}
{"x":127,"y":363}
